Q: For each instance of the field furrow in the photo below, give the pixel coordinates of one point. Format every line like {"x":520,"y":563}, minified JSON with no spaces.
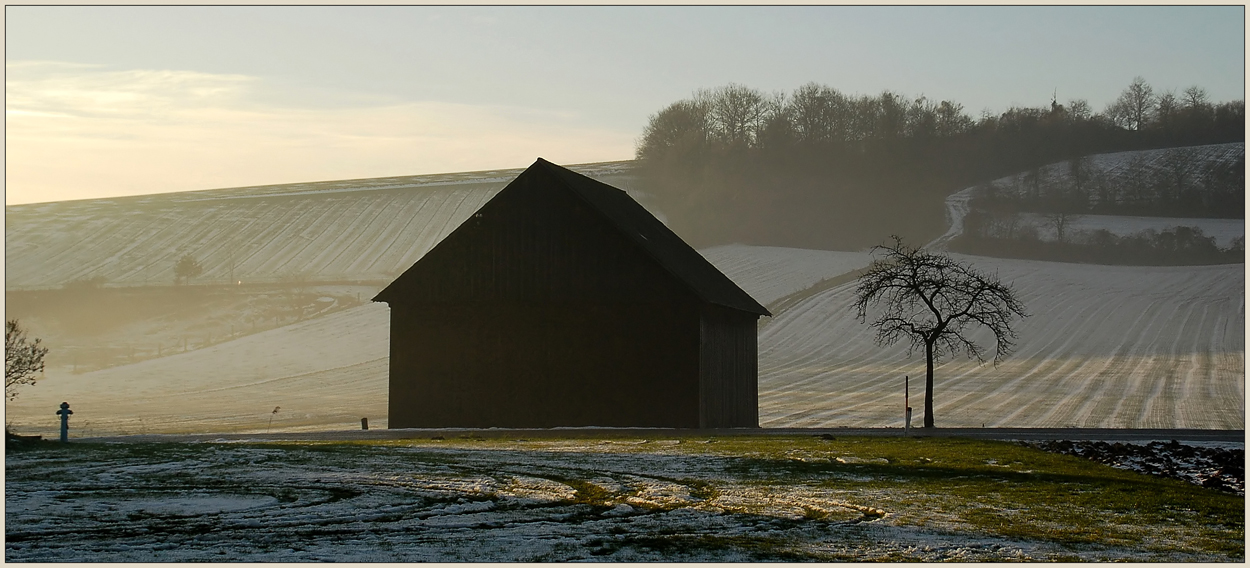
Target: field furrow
{"x":1106,"y":346}
{"x":330,"y":231}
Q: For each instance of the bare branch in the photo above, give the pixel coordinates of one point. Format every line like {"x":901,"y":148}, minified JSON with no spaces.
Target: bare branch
{"x":22,"y":359}
{"x":935,"y":302}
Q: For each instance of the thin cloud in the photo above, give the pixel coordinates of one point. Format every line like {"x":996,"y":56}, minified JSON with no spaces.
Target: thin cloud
{"x":82,"y":131}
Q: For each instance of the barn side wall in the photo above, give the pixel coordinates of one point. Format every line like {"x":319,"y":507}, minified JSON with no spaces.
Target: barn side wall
{"x":728,"y":369}
{"x":542,"y":366}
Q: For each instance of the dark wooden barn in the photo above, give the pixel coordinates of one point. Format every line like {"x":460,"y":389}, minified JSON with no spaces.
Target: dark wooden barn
{"x":562,"y":302}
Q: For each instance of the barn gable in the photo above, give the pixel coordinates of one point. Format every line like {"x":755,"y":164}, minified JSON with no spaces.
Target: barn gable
{"x":539,"y":186}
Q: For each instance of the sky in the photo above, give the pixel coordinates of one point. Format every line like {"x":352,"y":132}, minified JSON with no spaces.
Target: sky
{"x":104,"y":101}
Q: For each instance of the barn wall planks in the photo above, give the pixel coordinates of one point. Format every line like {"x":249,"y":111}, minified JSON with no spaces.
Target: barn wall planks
{"x":728,"y":371}
{"x":544,"y":366}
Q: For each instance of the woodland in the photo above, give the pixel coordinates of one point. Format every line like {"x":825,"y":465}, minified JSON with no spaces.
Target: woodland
{"x":818,"y":168}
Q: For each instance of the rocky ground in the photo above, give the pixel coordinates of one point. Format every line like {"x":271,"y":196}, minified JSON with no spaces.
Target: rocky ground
{"x":1223,"y":469}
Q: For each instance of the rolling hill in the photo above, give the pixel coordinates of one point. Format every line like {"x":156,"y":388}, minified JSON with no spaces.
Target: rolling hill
{"x":1107,"y":346}
{"x":353,"y":230}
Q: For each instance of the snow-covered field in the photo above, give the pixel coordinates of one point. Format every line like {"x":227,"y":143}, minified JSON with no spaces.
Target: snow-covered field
{"x":1117,"y":168}
{"x":771,"y":273}
{"x":355,"y":230}
{"x":1106,"y":346}
{"x":692,"y":499}
{"x":1138,"y":167}
{"x":327,"y":372}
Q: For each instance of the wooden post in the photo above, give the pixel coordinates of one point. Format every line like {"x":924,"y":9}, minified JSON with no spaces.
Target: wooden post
{"x":364,"y":423}
{"x":906,"y":406}
{"x":65,"y":412}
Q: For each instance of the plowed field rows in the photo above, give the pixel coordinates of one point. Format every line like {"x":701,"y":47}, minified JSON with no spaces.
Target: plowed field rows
{"x":771,"y":273}
{"x":1134,"y":347}
{"x":358,"y":230}
{"x":1106,"y":347}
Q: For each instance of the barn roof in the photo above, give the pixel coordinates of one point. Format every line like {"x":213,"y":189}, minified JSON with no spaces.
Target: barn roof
{"x":656,"y":240}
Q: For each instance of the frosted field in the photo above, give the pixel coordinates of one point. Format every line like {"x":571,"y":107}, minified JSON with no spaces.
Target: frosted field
{"x":357,"y":230}
{"x":771,"y":273}
{"x":327,"y":372}
{"x":1116,"y":167}
{"x":1141,"y":164}
{"x":324,"y":373}
{"x":1107,"y":346}
{"x":689,"y":499}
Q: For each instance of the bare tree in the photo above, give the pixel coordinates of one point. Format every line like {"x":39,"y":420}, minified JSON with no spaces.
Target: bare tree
{"x":22,"y":358}
{"x":736,"y":112}
{"x":1167,"y":106}
{"x":1059,"y":221}
{"x":1135,"y":107}
{"x":1195,"y":97}
{"x":934,"y":300}
{"x":776,"y":128}
{"x":891,"y":116}
{"x":951,"y":119}
{"x":1078,"y":110}
{"x":679,"y":124}
{"x":922,"y":118}
{"x":1180,"y":167}
{"x":819,"y":113}
{"x":187,"y":268}
{"x":1081,"y":171}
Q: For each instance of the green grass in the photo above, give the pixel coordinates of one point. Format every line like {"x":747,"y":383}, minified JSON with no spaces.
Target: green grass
{"x":999,"y":488}
{"x":980,"y":487}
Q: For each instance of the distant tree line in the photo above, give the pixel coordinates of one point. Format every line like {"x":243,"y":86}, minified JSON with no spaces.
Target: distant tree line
{"x":1174,"y":246}
{"x":821,"y":168}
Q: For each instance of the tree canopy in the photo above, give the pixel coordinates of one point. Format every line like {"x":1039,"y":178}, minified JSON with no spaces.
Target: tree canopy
{"x":187,"y":268}
{"x":819,"y":168}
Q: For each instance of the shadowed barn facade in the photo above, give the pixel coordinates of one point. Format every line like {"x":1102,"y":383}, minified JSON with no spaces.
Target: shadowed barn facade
{"x":562,"y":302}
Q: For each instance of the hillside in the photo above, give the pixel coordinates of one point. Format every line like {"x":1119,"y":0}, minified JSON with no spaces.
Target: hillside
{"x":353,"y":230}
{"x":1175,"y":206}
{"x":1105,"y":347}
{"x":326,"y":371}
{"x":271,"y":255}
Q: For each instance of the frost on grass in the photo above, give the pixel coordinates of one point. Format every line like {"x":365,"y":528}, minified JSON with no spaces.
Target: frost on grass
{"x":475,"y":501}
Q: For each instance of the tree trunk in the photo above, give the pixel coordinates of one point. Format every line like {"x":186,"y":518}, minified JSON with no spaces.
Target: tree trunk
{"x":928,"y":385}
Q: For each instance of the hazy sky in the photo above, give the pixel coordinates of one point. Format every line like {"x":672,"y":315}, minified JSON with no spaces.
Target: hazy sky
{"x":106,"y":101}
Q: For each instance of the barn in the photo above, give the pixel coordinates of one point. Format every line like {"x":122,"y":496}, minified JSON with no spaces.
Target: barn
{"x":563,"y":302}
